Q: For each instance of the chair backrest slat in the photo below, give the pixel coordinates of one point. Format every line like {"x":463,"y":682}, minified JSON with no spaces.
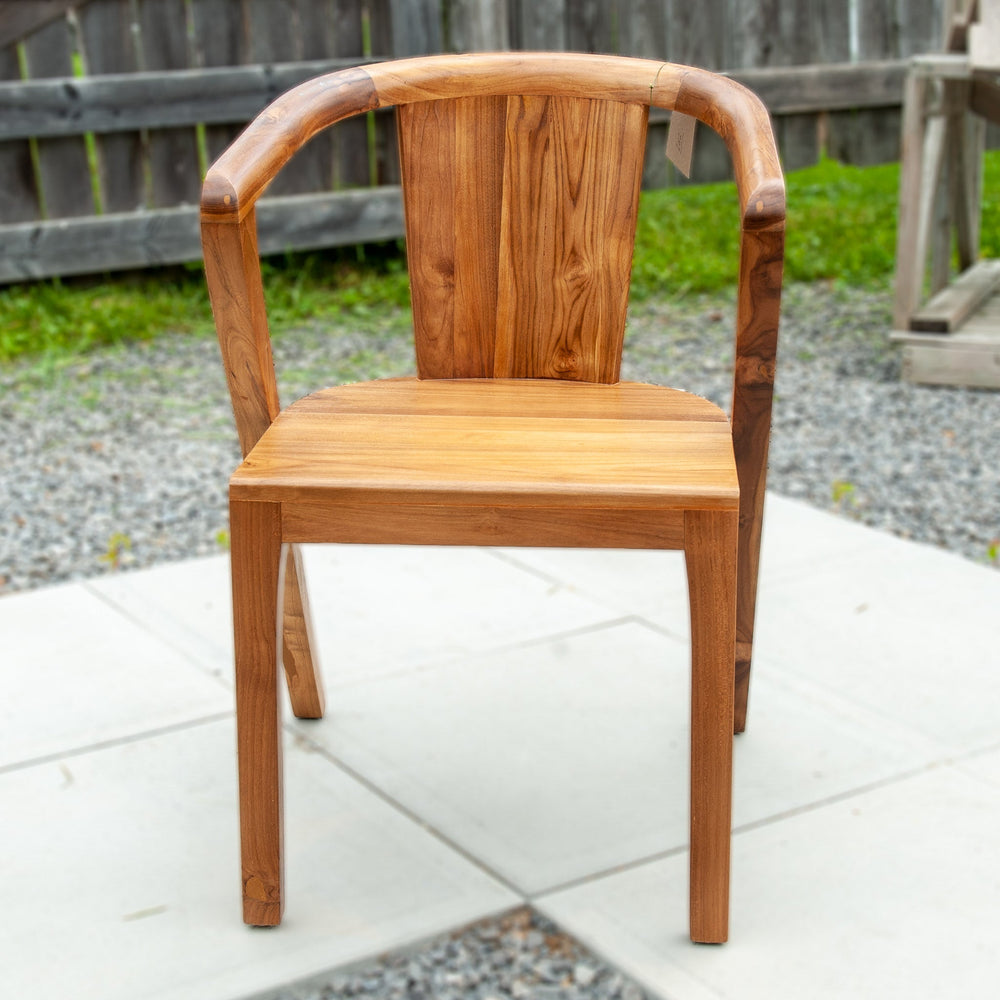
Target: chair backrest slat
{"x":533,"y":282}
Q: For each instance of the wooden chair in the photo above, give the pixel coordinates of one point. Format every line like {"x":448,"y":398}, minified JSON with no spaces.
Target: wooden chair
{"x":521,"y":178}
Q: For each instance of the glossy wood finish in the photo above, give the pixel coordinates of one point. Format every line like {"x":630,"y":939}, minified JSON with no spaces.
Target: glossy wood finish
{"x":520,"y":176}
{"x":710,"y":554}
{"x":305,"y":686}
{"x":255,"y":536}
{"x":455,"y":443}
{"x":522,"y":269}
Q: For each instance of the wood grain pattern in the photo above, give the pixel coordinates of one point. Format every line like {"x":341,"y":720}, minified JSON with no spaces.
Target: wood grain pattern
{"x":232,"y":269}
{"x":510,"y":457}
{"x":241,"y":174}
{"x":758,"y":308}
{"x":451,"y":155}
{"x":393,"y":523}
{"x":305,"y":687}
{"x":710,"y":554}
{"x":255,"y":534}
{"x":566,"y":236}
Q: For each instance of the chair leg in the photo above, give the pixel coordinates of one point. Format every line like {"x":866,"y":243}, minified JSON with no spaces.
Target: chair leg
{"x":305,"y":686}
{"x":255,"y":534}
{"x":710,"y":539}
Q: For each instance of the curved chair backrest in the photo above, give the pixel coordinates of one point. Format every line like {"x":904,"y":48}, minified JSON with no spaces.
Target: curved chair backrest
{"x":521,"y":175}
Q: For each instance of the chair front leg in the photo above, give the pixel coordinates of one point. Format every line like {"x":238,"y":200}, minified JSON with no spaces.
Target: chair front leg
{"x":305,"y":686}
{"x":710,"y":539}
{"x":255,"y":533}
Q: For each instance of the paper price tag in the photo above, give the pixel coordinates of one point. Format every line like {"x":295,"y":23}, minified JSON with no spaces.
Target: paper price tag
{"x":680,"y":141}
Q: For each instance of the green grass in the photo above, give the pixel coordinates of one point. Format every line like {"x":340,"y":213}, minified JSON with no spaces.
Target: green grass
{"x":841,"y":227}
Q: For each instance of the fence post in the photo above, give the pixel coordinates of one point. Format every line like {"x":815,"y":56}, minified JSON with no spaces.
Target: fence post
{"x":416,"y":27}
{"x":478,"y":26}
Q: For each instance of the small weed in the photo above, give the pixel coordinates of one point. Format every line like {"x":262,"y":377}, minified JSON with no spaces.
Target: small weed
{"x":118,"y":545}
{"x":993,"y":552}
{"x":222,"y":539}
{"x":843,"y":494}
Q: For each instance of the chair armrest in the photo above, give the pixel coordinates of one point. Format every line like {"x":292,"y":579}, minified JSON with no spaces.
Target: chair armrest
{"x":237,"y":179}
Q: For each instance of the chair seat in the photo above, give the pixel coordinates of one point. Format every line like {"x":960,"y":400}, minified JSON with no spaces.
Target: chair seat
{"x":505,"y":442}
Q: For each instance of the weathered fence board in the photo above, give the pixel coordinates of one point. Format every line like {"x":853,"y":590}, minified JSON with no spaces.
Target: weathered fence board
{"x":105,"y":27}
{"x":166,"y":85}
{"x":172,"y":235}
{"x":18,"y":192}
{"x":173,"y":152}
{"x":64,"y":170}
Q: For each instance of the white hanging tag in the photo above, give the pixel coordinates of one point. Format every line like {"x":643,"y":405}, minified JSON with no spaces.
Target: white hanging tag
{"x":680,"y":141}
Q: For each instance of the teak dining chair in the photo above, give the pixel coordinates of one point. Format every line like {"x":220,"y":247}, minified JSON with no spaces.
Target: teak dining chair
{"x":520,"y":182}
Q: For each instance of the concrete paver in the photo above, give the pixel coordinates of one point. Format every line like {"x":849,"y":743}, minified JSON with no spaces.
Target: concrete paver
{"x":507,"y":726}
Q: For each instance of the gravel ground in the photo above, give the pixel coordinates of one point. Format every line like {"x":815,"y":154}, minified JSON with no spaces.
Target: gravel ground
{"x":520,"y":956}
{"x":120,"y":459}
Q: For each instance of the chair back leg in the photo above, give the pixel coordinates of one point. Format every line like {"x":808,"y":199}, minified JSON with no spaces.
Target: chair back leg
{"x":305,"y":686}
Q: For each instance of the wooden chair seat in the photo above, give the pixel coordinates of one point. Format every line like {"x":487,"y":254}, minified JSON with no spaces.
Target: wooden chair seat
{"x":633,"y":454}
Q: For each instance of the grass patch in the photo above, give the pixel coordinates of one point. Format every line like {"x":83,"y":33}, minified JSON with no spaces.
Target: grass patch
{"x":841,"y":227}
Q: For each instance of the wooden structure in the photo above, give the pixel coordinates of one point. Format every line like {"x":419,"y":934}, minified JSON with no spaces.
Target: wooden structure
{"x":953,"y":336}
{"x":521,"y":178}
{"x":111,"y":110}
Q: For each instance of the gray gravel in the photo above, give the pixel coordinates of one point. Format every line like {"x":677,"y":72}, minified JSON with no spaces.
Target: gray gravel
{"x":120,"y":459}
{"x":521,"y":956}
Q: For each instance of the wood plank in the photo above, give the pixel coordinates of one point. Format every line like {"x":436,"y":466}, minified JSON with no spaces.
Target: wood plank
{"x":18,"y":187}
{"x":273,"y":39}
{"x":452,"y":160}
{"x":590,"y":27}
{"x":18,"y":19}
{"x":180,"y":97}
{"x":63,"y":165}
{"x":644,"y":32}
{"x":921,"y":30}
{"x":693,"y":36}
{"x":540,"y":25}
{"x":173,"y":152}
{"x":949,"y":309}
{"x":571,"y":185}
{"x":478,"y":26}
{"x":484,"y":524}
{"x":349,"y":140}
{"x":384,"y":151}
{"x":416,"y":27}
{"x":109,"y":47}
{"x":219,"y":41}
{"x":837,"y":86}
{"x":129,"y":101}
{"x":506,"y":457}
{"x":94,"y":244}
{"x":934,"y":365}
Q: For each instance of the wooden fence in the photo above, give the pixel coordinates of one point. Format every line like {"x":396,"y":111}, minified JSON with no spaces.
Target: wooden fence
{"x":110,"y":110}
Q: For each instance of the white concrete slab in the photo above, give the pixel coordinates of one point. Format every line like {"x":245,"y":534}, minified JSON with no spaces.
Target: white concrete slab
{"x":377,"y":609}
{"x":77,"y":672}
{"x":907,"y":631}
{"x":557,"y":760}
{"x":892,"y":893}
{"x":121,"y":875}
{"x":985,"y":766}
